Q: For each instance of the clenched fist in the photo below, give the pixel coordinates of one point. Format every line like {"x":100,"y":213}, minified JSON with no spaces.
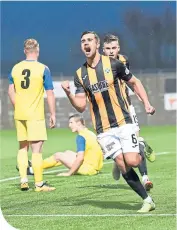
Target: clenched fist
{"x":150,"y":109}
{"x":66,"y":87}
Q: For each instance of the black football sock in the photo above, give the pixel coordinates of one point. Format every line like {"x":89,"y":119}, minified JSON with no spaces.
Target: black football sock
{"x":142,"y":166}
{"x":133,"y":181}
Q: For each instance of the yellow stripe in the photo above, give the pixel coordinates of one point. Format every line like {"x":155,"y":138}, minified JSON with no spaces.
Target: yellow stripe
{"x":112,"y":92}
{"x":122,"y":59}
{"x":123,"y":84}
{"x":79,"y":75}
{"x":99,"y":100}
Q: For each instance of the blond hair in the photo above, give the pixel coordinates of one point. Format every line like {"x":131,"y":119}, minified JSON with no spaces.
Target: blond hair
{"x":30,"y":44}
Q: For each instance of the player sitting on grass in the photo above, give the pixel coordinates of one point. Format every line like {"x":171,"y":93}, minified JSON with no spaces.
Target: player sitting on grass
{"x":89,"y":158}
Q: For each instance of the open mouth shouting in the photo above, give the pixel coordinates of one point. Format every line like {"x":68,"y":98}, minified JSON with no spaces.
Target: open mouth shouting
{"x":87,"y":50}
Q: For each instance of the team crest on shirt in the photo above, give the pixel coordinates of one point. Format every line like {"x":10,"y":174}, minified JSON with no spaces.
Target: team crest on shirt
{"x":107,"y":70}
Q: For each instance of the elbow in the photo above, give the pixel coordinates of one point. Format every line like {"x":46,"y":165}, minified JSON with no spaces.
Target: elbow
{"x":9,"y":93}
{"x":81,"y":159}
{"x":137,"y":82}
{"x":81,"y":109}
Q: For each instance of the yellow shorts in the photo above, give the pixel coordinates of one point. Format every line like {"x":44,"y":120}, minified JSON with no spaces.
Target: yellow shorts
{"x":31,"y":130}
{"x":88,"y":170}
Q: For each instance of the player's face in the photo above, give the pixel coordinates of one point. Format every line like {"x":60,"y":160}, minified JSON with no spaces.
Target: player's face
{"x":73,"y":125}
{"x":89,"y":45}
{"x":111,"y":49}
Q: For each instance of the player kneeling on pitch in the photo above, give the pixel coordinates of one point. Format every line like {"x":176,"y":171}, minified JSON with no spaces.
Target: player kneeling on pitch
{"x":89,"y":157}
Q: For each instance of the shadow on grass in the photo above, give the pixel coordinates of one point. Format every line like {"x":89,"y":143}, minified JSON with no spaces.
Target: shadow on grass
{"x":123,"y":205}
{"x":107,"y":186}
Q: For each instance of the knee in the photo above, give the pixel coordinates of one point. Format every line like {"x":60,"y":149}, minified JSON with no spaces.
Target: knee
{"x":23,"y":144}
{"x":133,"y":162}
{"x":57,"y":156}
{"x":67,"y":151}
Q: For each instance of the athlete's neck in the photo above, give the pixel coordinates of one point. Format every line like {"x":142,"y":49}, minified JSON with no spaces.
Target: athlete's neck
{"x":80,"y":128}
{"x":31,"y":58}
{"x":92,"y":62}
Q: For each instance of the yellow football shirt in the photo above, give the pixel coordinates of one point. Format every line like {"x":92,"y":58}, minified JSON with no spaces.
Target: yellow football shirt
{"x":30,"y":78}
{"x":87,"y":142}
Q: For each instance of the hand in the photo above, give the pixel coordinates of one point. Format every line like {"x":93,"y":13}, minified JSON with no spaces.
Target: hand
{"x":64,"y":174}
{"x":52,"y":121}
{"x":66,"y":87}
{"x":149,"y":109}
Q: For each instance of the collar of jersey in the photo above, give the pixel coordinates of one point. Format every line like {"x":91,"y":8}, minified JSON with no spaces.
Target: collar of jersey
{"x":96,"y":65}
{"x":83,"y":130}
{"x":30,"y":60}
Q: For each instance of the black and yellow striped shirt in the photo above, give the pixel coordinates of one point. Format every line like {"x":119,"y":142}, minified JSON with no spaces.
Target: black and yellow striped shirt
{"x":102,"y":84}
{"x":125,"y":61}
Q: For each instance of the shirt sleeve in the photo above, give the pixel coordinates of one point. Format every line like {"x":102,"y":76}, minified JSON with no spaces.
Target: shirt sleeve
{"x":10,"y":78}
{"x":122,"y":71}
{"x":127,"y":62}
{"x":80,"y":141}
{"x":48,"y":84}
{"x":78,"y":85}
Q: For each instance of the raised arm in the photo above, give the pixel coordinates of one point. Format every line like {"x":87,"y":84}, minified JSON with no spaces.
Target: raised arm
{"x":79,"y":100}
{"x":138,"y":88}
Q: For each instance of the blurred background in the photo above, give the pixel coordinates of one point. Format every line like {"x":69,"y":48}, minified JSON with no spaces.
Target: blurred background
{"x":147,"y":32}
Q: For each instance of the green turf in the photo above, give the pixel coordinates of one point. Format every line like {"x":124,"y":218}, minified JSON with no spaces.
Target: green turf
{"x":90,"y":195}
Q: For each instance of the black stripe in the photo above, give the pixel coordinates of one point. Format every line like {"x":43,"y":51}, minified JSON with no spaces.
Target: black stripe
{"x":122,"y":103}
{"x":86,"y":82}
{"x":105,"y":94}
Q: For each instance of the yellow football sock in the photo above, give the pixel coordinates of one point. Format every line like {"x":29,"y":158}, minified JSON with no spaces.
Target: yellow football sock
{"x":37,"y":163}
{"x":50,"y":162}
{"x":58,"y":163}
{"x":22,"y":160}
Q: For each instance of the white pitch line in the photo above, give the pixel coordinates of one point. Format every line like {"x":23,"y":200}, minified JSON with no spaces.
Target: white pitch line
{"x":61,"y":170}
{"x":92,"y":215}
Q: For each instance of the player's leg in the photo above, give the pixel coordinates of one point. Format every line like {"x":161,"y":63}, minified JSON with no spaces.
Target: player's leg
{"x":50,"y":162}
{"x":143,"y":170}
{"x":36,"y":131}
{"x":142,"y":166}
{"x":149,"y":152}
{"x":67,"y":158}
{"x":112,"y":146}
{"x":22,"y":156}
{"x":132,"y":158}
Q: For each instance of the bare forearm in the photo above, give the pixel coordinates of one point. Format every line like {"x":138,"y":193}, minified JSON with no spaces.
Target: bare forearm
{"x":51,"y":103}
{"x":76,"y":103}
{"x":76,"y":165}
{"x":12,"y":97}
{"x":130,"y":86}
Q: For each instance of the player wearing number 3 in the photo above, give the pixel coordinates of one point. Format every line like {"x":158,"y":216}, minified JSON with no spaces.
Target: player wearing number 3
{"x":27,"y":82}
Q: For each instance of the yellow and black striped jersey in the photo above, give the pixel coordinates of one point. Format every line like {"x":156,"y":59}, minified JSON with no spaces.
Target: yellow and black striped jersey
{"x":125,"y":61}
{"x":102,"y":84}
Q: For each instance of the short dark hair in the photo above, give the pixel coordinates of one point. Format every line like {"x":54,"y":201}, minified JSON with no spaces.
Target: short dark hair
{"x":91,"y":32}
{"x":110,"y":38}
{"x":77,"y":118}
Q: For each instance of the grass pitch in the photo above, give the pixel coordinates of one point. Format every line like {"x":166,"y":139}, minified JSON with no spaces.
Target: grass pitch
{"x":83,"y":202}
